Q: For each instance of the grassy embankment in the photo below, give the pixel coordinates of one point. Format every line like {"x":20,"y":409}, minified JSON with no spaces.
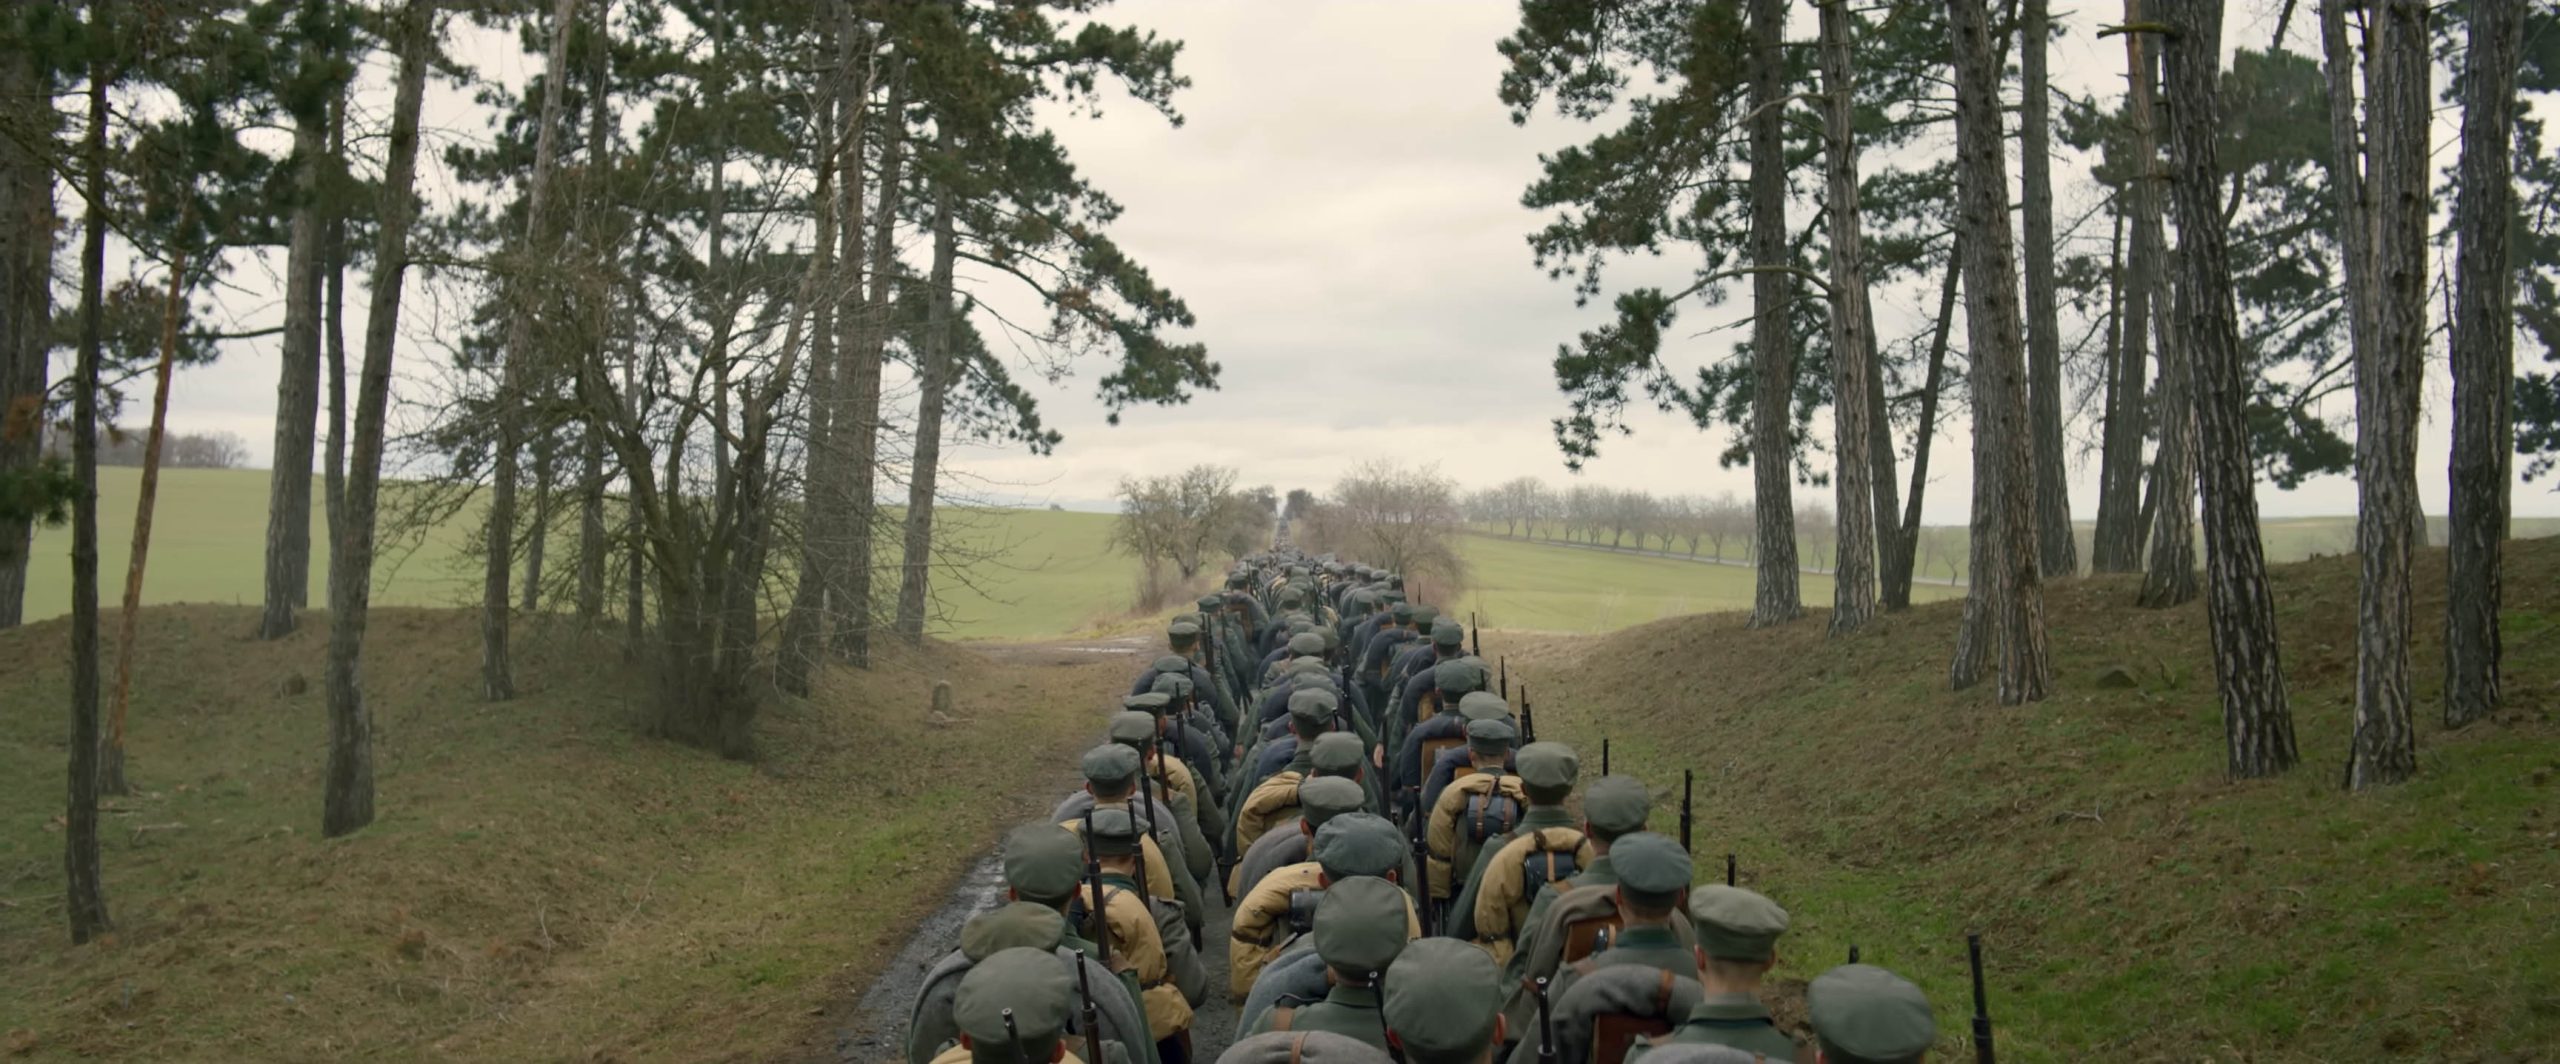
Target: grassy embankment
{"x":2137,"y":906}
{"x":544,"y":882}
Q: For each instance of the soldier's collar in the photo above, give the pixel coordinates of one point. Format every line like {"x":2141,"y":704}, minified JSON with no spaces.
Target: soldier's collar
{"x":1358,"y":997}
{"x":1647,"y":935}
{"x":1724,"y":1009}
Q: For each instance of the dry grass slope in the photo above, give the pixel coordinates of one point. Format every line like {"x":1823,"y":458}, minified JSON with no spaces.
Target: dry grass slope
{"x":545,"y":881}
{"x":2136,"y":905}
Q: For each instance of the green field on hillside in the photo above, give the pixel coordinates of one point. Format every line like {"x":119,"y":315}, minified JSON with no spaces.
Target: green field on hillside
{"x":1553,"y":588}
{"x":1026,"y":572}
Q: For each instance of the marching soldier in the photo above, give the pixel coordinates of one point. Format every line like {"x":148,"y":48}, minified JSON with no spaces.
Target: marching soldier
{"x":1111,"y":782}
{"x":1737,"y":945}
{"x":1612,"y":807}
{"x":1473,"y":810}
{"x":1043,"y":868}
{"x":1319,"y":800}
{"x":1446,"y":767}
{"x":1443,"y":1003}
{"x":1012,"y":1009}
{"x":1647,"y":980}
{"x":1546,"y":847}
{"x":1172,"y":786}
{"x":1863,"y":1014}
{"x":1416,"y":681}
{"x":1355,"y":844}
{"x":1137,"y":942}
{"x":1359,"y":929}
{"x":1462,"y":698}
{"x":1331,"y":755}
{"x":1302,"y":1047}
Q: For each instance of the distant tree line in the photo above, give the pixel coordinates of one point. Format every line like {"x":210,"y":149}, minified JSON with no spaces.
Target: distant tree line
{"x":178,"y":450}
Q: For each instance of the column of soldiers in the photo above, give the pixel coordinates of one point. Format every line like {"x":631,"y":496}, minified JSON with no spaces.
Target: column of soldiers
{"x":1404,"y":874}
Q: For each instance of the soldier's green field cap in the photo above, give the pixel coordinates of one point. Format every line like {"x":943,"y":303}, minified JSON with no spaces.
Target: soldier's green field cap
{"x":1110,"y":763}
{"x":1360,"y":925}
{"x":1485,"y":736}
{"x":1549,"y":766}
{"x":1115,"y":832}
{"x":1448,"y":633}
{"x":1402,"y":611}
{"x":1019,"y":925}
{"x":1029,"y":984}
{"x":1042,"y":862}
{"x":1733,"y":924}
{"x":1306,"y":644}
{"x":1289,"y":599}
{"x":1866,"y":1015}
{"x":1182,"y":631}
{"x":1302,"y":1047}
{"x":1616,"y":805}
{"x":1459,"y":677}
{"x":1362,"y":598}
{"x":1336,"y":754}
{"x":1133,"y":729}
{"x":1313,"y":704}
{"x":1358,"y":844}
{"x":1425,"y":616}
{"x":1298,"y":667}
{"x":1170,"y":686}
{"x":1650,"y":865}
{"x":1325,"y":797}
{"x":1152,"y":703}
{"x":1482,"y":705}
{"x":1332,"y":639}
{"x":1442,"y":998}
{"x":1174,"y":663}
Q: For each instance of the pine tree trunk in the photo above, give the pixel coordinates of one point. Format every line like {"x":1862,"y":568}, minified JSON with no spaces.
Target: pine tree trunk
{"x":2005,"y":609}
{"x":2170,"y":577}
{"x":348,"y":802}
{"x":2345,"y":171}
{"x":1906,"y":542}
{"x":111,"y":778}
{"x":2054,"y":538}
{"x":933,"y":379}
{"x":288,"y":562}
{"x":863,"y":326}
{"x":333,"y":313}
{"x":497,"y":673}
{"x":539,"y":533}
{"x":2483,"y":365}
{"x":1893,"y":564}
{"x":2389,"y":381}
{"x":599,"y":197}
{"x":1775,"y":597}
{"x":821,"y":480}
{"x":2117,"y":547}
{"x":2257,"y":725}
{"x":1853,"y":601}
{"x":84,"y":896}
{"x":26,"y":317}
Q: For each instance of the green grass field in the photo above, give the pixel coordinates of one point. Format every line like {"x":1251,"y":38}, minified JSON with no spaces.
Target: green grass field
{"x":1517,"y":584}
{"x":1030,"y":572}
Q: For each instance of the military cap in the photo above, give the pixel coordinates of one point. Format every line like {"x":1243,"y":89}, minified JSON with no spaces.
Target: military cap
{"x":1326,"y":797}
{"x":1442,"y":998}
{"x":1170,"y":685}
{"x":1459,"y":676}
{"x":1305,"y":667}
{"x":1211,"y":603}
{"x":1549,"y":766}
{"x":1863,"y":1013}
{"x":1110,"y":763}
{"x":1239,"y":578}
{"x":1302,"y":1047}
{"x":1314,"y":705}
{"x":1015,"y":925}
{"x":1402,"y":611}
{"x":1616,"y":805}
{"x":1132,"y":729}
{"x":1306,"y":644}
{"x":1028,"y":985}
{"x":1289,"y":599}
{"x":1425,"y":616}
{"x":1116,"y":833}
{"x":1362,"y":597}
{"x":1332,"y":639}
{"x":1042,"y":862}
{"x":1173,"y":663}
{"x":1358,"y":844}
{"x":1699,"y":1053}
{"x":1183,"y":630}
{"x":1448,"y":633}
{"x":1488,"y":736}
{"x":1734,"y":924}
{"x":1336,"y":754}
{"x":1483,"y":705}
{"x":1360,"y":925}
{"x":1650,"y":864}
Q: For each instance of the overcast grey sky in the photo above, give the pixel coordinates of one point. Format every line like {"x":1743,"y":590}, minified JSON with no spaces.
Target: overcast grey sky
{"x":1341,"y":211}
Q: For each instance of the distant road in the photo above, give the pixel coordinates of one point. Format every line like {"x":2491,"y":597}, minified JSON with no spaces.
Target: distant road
{"x":1692,"y":558}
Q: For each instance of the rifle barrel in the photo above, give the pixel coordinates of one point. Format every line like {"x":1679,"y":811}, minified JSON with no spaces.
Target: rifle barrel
{"x":1604,"y":756}
{"x":1982,"y":1051}
{"x":1546,"y":1025}
{"x":1687,"y":777}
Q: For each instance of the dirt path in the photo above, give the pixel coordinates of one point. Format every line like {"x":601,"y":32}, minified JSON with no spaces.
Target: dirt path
{"x":875,"y":1028}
